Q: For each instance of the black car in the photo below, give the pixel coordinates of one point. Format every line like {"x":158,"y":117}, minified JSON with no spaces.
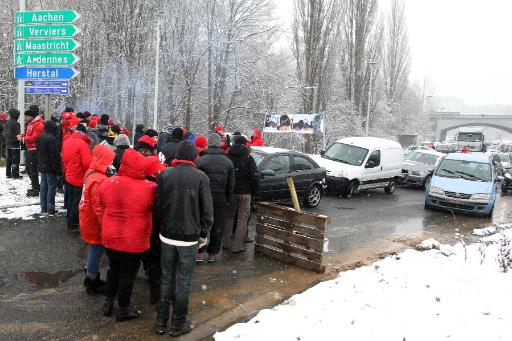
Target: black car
{"x":277,"y":165}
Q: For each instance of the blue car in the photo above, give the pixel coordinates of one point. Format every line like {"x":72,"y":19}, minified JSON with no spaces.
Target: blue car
{"x":464,"y":183}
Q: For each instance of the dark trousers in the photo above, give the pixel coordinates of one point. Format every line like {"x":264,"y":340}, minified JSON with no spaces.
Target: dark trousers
{"x":13,"y":162}
{"x":220,"y":207}
{"x":47,"y":192}
{"x":122,"y":271}
{"x":153,"y":268}
{"x":238,"y":215}
{"x":73,"y":199}
{"x":178,"y":263}
{"x":32,"y":169}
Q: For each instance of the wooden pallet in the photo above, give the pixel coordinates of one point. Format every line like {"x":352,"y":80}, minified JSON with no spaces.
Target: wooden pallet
{"x":290,"y":236}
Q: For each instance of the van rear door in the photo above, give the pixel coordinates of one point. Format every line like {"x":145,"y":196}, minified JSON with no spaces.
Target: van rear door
{"x":392,"y":162}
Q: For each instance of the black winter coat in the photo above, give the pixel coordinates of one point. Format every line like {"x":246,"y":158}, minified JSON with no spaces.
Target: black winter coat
{"x":169,"y":150}
{"x":184,"y":207}
{"x":12,"y":128}
{"x":219,"y":169}
{"x":247,"y":178}
{"x":48,"y":150}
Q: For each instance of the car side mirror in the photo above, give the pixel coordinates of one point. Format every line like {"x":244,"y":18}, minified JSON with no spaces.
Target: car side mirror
{"x":268,"y":172}
{"x":322,"y":152}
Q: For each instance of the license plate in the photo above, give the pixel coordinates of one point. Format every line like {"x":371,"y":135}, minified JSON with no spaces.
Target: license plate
{"x":458,"y":202}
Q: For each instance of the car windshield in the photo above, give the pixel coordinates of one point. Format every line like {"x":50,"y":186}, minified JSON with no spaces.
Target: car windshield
{"x":346,"y":153}
{"x":258,"y":158}
{"x":426,"y":159}
{"x":504,"y":157}
{"x":470,"y":137}
{"x":468,"y":170}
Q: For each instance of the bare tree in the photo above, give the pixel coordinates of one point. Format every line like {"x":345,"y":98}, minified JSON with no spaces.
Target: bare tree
{"x":396,"y":53}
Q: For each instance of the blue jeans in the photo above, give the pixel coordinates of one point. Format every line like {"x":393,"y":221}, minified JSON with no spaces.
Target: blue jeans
{"x":178,"y":263}
{"x":47,"y":192}
{"x":93,"y":259}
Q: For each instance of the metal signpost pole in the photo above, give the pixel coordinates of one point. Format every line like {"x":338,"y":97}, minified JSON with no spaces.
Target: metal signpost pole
{"x":157,"y":71}
{"x":21,"y":87}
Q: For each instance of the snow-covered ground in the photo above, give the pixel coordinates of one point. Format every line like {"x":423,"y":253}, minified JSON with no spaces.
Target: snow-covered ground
{"x":447,"y":293}
{"x":13,"y":200}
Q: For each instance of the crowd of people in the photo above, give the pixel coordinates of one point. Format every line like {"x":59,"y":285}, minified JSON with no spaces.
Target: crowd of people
{"x":165,"y":200}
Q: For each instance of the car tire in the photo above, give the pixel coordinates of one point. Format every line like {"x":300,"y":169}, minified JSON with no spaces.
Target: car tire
{"x":313,"y":197}
{"x":350,"y":189}
{"x":504,"y":187}
{"x":391,"y":187}
{"x":489,"y":215}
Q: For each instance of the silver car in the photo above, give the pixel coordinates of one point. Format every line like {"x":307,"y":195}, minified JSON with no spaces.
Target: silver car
{"x":418,"y":166}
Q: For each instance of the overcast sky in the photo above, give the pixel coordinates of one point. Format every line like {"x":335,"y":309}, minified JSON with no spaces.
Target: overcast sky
{"x":463,"y":46}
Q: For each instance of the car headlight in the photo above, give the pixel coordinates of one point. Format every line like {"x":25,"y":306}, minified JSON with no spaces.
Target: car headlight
{"x":338,"y":173}
{"x":436,"y":191}
{"x":480,"y":196}
{"x":422,"y":173}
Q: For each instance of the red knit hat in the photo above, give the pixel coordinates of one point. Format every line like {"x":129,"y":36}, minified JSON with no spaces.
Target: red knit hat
{"x":201,"y":142}
{"x":146,"y":142}
{"x":93,"y":123}
{"x":153,"y":166}
{"x":256,"y":132}
{"x":219,"y":129}
{"x":3,"y":116}
{"x":110,"y":122}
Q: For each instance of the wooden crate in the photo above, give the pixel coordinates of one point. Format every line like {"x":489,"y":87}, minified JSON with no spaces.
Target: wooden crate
{"x":289,"y":236}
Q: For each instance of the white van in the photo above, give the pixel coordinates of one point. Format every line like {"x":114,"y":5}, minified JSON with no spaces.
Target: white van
{"x":357,"y":163}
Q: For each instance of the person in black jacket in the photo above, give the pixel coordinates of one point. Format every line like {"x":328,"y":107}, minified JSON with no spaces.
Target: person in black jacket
{"x":221,"y":173}
{"x":139,"y":132}
{"x":12,"y":129}
{"x":49,"y":163}
{"x":184,"y":211}
{"x":246,"y":184}
{"x":169,"y":149}
{"x":103,"y":127}
{"x":121,"y":142}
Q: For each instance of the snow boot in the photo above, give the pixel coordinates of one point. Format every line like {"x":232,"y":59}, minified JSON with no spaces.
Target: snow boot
{"x":199,"y":257}
{"x":95,"y":286}
{"x":185,"y":328}
{"x":126,"y":314}
{"x":108,"y":305}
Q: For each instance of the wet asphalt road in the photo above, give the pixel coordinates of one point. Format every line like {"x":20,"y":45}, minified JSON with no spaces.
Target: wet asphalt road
{"x":41,"y":296}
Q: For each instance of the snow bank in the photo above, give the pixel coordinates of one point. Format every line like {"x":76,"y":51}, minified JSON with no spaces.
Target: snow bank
{"x":485,"y":231}
{"x":14,"y":203}
{"x":415,"y":296}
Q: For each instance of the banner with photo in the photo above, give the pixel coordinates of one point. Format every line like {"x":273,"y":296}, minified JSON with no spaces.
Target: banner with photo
{"x":297,"y":123}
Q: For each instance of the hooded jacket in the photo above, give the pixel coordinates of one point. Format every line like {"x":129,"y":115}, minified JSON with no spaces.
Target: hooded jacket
{"x":32,"y":132}
{"x":127,"y":200}
{"x":246,"y":172}
{"x":219,"y":169}
{"x":90,"y":209}
{"x":184,"y":206}
{"x":169,"y":149}
{"x":12,"y":129}
{"x":76,"y":158}
{"x":48,"y":150}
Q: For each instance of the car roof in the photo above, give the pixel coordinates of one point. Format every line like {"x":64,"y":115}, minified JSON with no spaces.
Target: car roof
{"x":428,"y":151}
{"x":270,"y":150}
{"x":477,"y":157}
{"x":369,"y":142}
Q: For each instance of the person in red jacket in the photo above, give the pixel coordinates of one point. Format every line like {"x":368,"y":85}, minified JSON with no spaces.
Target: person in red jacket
{"x":256,"y":139}
{"x":127,"y":200}
{"x":91,"y":215}
{"x":76,"y":160}
{"x":34,"y":129}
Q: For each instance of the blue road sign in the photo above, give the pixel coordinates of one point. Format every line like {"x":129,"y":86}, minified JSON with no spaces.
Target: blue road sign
{"x":47,"y":91}
{"x":61,"y":84}
{"x":45,"y":72}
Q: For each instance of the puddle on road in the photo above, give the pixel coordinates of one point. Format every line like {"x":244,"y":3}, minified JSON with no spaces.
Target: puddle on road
{"x":44,"y":280}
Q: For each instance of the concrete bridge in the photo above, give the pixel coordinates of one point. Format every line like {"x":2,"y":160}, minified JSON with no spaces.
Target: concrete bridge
{"x":446,"y":121}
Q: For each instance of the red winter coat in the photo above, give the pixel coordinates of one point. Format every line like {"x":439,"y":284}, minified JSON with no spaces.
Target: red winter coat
{"x":128,"y":200}
{"x":257,"y":141}
{"x":76,"y":158}
{"x":91,"y":212}
{"x":32,"y":132}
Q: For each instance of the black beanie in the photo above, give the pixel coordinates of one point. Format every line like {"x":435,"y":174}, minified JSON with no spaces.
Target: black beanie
{"x":69,"y":109}
{"x":151,"y":133}
{"x":177,"y":134}
{"x":186,"y":151}
{"x":14,"y":113}
{"x":239,"y":139}
{"x":116,"y":129}
{"x":34,"y":107}
{"x":31,"y":113}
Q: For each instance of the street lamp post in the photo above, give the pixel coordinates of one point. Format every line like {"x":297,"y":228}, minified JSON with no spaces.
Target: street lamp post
{"x":367,"y":125}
